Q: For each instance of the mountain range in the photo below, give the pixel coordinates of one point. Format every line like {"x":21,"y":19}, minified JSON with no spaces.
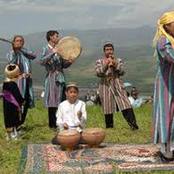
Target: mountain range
{"x":134,"y":46}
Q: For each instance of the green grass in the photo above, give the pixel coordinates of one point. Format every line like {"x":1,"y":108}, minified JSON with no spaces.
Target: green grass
{"x":38,"y":132}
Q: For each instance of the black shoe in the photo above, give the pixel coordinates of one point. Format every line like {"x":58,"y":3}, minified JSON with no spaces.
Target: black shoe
{"x":164,"y":159}
{"x":135,"y":127}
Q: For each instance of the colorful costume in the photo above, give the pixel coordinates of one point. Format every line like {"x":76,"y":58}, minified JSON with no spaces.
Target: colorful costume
{"x":112,"y":92}
{"x":54,"y":81}
{"x":23,"y":59}
{"x":163,"y":122}
{"x":12,"y":106}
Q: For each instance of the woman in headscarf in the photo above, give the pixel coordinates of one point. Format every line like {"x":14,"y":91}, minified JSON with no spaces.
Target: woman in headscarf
{"x":163,"y":122}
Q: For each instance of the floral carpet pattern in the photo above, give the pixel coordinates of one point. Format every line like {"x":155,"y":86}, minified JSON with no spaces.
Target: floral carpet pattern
{"x":50,"y":159}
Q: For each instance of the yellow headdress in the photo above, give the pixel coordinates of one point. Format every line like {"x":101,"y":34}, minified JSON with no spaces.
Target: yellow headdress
{"x":166,"y":18}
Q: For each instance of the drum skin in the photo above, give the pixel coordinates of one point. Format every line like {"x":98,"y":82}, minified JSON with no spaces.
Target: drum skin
{"x":68,"y":139}
{"x":69,"y":48}
{"x":93,"y":136}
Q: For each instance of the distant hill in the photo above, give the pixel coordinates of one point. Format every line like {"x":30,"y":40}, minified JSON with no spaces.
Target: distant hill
{"x":133,"y":45}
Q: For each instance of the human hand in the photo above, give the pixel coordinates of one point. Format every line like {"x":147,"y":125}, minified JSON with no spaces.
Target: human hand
{"x":79,"y":114}
{"x":56,"y":50}
{"x":65,"y":126}
{"x":115,"y":61}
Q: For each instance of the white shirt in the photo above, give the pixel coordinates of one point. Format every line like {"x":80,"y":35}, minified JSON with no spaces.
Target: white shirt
{"x":67,"y":113}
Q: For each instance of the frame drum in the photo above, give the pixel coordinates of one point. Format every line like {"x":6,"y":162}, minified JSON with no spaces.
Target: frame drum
{"x":70,"y":48}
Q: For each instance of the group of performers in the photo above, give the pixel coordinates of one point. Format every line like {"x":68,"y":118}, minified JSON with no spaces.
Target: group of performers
{"x":71,"y":113}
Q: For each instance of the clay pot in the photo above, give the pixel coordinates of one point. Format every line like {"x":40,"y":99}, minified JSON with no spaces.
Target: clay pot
{"x":93,"y":136}
{"x":68,"y":139}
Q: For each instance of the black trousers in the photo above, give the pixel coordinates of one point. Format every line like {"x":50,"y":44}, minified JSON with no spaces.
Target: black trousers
{"x":52,"y":117}
{"x":128,"y":115}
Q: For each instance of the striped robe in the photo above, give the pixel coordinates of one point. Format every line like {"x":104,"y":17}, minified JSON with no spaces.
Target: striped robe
{"x":23,"y":60}
{"x":55,"y":79}
{"x":163,"y":122}
{"x":111,"y":88}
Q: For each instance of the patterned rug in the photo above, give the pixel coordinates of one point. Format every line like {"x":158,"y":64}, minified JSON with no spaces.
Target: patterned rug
{"x":49,"y":159}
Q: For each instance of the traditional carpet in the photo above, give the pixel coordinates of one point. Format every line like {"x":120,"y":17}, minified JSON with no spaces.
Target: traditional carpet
{"x":49,"y":159}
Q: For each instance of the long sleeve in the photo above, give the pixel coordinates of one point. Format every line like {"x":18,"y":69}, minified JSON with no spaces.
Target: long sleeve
{"x":120,"y":67}
{"x":59,"y":116}
{"x":84,"y":115}
{"x":46,"y":58}
{"x":165,"y":49}
{"x":65,"y":64}
{"x":99,"y":68}
{"x":28,"y":54}
{"x":11,"y":57}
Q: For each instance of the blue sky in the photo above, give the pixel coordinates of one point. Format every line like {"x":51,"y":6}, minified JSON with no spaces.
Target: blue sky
{"x":29,"y":16}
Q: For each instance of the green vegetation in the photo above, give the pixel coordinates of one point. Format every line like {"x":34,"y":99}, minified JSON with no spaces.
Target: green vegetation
{"x":38,"y":132}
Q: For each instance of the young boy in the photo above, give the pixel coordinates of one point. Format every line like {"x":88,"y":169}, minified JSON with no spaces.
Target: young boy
{"x":12,"y":102}
{"x":71,"y":113}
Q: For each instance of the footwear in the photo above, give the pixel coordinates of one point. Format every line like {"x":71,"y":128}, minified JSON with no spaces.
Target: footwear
{"x":164,"y":159}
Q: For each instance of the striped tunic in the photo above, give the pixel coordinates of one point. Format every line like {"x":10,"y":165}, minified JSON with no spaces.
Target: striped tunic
{"x":23,"y":60}
{"x":55,"y":79}
{"x":111,"y":88}
{"x":163,"y":123}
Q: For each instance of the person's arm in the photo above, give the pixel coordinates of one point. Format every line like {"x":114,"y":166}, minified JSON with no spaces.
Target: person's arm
{"x":100,"y":67}
{"x":82,"y":116}
{"x":59,"y":118}
{"x":27,"y":53}
{"x":66,"y":63}
{"x":11,"y":57}
{"x":165,"y":49}
{"x":46,"y":58}
{"x":119,"y":66}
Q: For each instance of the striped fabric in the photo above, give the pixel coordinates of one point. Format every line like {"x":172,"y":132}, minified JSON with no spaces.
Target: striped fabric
{"x":111,"y":88}
{"x":23,"y":60}
{"x":163,"y":122}
{"x":55,"y":79}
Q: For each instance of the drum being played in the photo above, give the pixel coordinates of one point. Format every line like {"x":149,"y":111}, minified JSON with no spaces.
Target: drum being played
{"x":93,"y":136}
{"x":68,"y":139}
{"x":69,"y":48}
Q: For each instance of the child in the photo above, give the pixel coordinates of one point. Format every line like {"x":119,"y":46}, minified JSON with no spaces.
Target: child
{"x":71,"y":113}
{"x":12,"y":102}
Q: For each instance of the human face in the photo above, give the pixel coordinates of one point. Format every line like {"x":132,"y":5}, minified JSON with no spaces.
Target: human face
{"x":55,"y":38}
{"x":18,"y":43}
{"x":108,"y":51}
{"x":170,"y":29}
{"x":72,"y":95}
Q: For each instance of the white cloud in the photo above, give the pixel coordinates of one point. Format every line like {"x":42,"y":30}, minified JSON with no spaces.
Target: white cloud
{"x":37,"y":15}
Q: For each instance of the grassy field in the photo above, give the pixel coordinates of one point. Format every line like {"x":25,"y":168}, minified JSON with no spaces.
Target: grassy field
{"x":38,"y":132}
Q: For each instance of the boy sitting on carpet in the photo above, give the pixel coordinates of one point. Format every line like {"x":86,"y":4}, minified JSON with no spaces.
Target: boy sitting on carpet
{"x":71,"y":113}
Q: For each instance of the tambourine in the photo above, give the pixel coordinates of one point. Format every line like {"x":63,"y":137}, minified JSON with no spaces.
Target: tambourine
{"x":69,"y":48}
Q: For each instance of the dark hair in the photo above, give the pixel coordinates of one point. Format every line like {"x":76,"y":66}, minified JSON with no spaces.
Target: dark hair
{"x":70,"y":87}
{"x":18,"y":36}
{"x":108,"y":45}
{"x":51,"y":33}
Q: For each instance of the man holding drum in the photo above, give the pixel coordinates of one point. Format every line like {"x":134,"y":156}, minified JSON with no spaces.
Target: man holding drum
{"x":111,"y":88}
{"x":55,"y":79}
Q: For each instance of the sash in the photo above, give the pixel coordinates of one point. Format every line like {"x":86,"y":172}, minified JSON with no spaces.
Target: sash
{"x":9,"y":97}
